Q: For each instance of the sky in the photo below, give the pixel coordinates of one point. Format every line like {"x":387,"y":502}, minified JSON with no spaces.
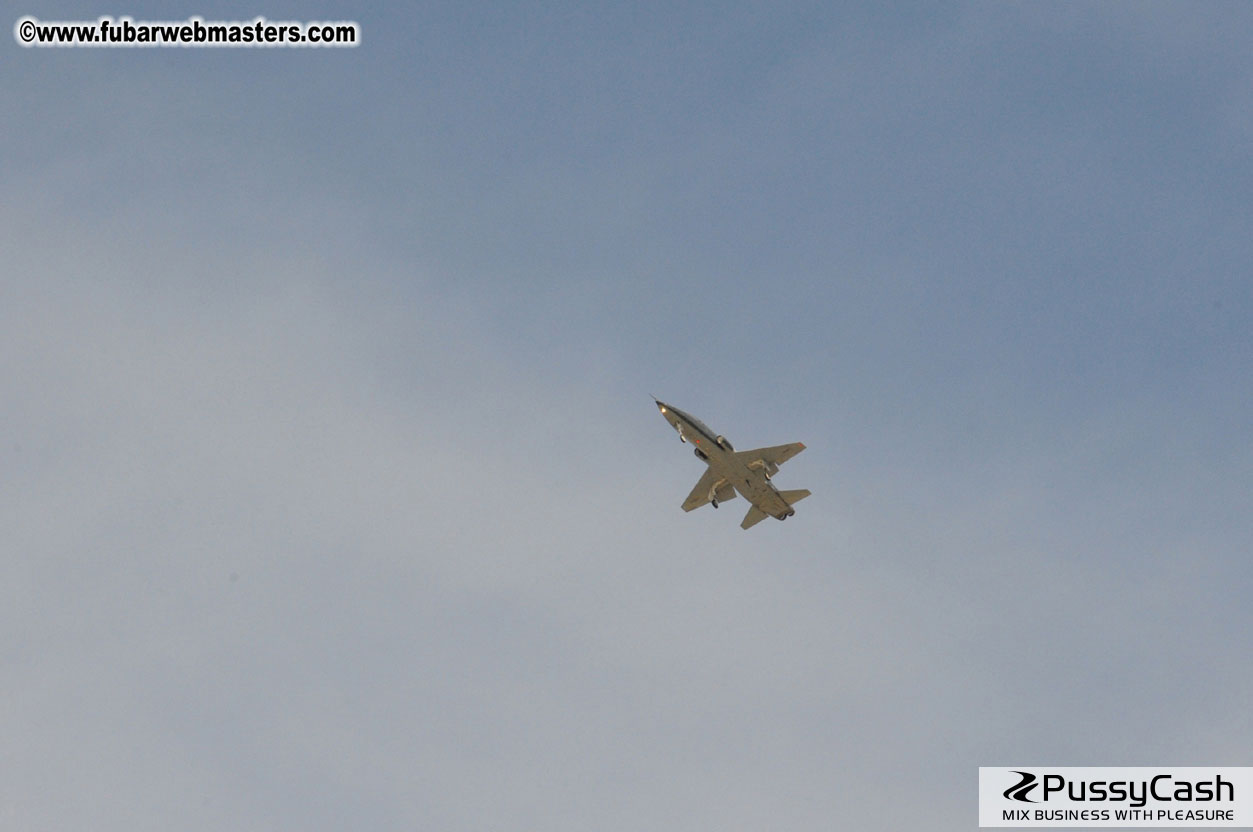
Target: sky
{"x":332,"y":492}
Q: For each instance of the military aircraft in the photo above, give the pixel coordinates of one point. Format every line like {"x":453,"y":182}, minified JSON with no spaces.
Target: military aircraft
{"x":729,"y":471}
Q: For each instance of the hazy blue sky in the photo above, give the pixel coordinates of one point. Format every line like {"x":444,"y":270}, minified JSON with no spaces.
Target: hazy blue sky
{"x":331,"y":491}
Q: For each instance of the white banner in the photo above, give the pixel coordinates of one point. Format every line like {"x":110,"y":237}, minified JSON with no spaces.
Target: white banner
{"x":1113,"y":797}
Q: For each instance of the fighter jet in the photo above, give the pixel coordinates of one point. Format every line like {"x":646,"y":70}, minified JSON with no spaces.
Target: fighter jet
{"x":729,"y":471}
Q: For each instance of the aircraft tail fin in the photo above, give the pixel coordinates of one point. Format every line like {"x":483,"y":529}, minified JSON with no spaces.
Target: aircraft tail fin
{"x":794,"y":497}
{"x":754,"y":516}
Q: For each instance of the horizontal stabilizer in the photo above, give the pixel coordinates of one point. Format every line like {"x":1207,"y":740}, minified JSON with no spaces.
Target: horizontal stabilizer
{"x":754,"y":516}
{"x":794,"y":497}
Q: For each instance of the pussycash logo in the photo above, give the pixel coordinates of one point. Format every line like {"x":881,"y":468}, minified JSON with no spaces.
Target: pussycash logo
{"x":1019,"y":790}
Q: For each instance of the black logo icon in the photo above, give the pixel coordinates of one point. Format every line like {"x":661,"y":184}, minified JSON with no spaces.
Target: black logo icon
{"x":1019,"y":790}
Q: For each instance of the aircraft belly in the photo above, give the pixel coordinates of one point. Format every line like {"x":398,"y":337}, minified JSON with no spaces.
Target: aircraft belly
{"x":768,"y":500}
{"x":754,"y":488}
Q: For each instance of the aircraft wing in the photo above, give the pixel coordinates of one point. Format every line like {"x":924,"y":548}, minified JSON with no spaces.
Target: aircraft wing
{"x":776,"y":456}
{"x":709,"y":483}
